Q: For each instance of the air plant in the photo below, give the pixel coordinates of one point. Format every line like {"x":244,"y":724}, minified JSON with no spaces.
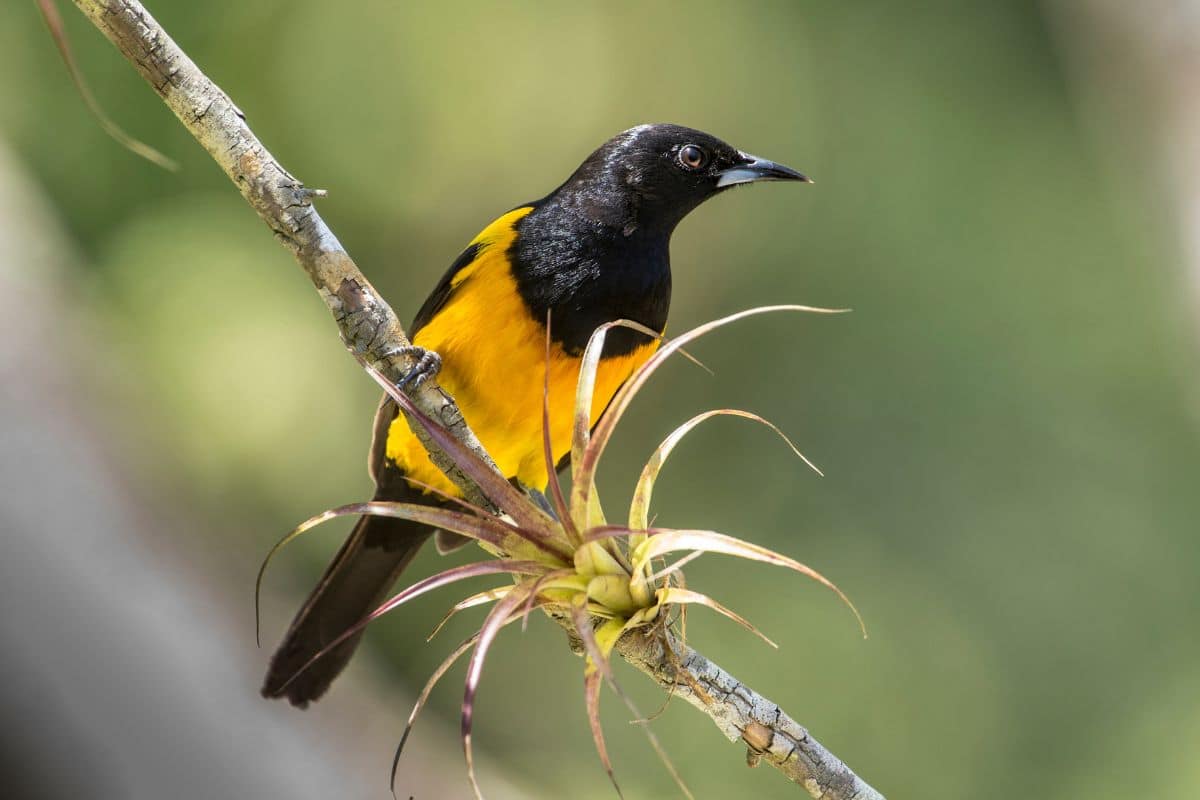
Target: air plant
{"x":603,"y":579}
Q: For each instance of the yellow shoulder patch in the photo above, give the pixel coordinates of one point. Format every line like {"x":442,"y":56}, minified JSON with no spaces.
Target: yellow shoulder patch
{"x":494,"y":363}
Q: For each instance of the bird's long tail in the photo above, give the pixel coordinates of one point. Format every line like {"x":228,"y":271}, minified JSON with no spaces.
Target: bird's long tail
{"x":354,"y":585}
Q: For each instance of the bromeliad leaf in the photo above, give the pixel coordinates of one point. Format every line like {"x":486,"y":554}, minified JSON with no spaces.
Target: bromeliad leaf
{"x":667,"y":541}
{"x":596,"y":669}
{"x":585,"y":467}
{"x":676,"y":595}
{"x":488,"y":530}
{"x":581,"y":506}
{"x":423,"y":698}
{"x":469,"y":602}
{"x":500,"y":615}
{"x":598,"y":662}
{"x":535,"y":522}
{"x":640,"y":507}
{"x":556,"y":493}
{"x":443,"y":578}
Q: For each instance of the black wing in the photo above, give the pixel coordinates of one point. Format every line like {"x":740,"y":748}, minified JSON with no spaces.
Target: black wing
{"x":441,"y":294}
{"x":376,"y":458}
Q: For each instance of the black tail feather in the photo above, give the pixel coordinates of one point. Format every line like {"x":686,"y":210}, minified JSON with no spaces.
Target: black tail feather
{"x":354,"y":585}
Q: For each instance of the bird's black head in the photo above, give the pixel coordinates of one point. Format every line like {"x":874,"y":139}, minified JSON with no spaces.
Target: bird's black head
{"x":597,"y":248}
{"x":650,"y":177}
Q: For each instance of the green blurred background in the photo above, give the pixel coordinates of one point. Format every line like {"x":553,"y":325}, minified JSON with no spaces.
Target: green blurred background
{"x":1007,"y":420}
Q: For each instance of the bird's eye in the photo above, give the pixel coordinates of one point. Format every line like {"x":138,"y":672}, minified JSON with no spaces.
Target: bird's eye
{"x":691,"y":156}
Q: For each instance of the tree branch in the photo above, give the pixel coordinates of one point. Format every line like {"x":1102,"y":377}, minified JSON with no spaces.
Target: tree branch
{"x":740,"y":712}
{"x":374,"y":335}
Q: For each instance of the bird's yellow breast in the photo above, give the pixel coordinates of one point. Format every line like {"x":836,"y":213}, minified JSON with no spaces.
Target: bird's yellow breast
{"x":494,"y":364}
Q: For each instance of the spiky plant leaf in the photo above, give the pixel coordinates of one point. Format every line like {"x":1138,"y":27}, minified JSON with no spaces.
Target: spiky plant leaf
{"x":556,"y":493}
{"x":640,"y":506}
{"x":612,"y":591}
{"x":489,"y":530}
{"x":677,"y":596}
{"x":597,"y":668}
{"x":479,"y":599}
{"x":559,"y":577}
{"x":592,"y":558}
{"x":497,"y":618}
{"x":423,"y":698}
{"x":668,"y":541}
{"x":675,"y":566}
{"x":531,"y":519}
{"x":598,"y":660}
{"x":442,"y":669}
{"x":585,"y":389}
{"x":443,"y":578}
{"x":584,"y":469}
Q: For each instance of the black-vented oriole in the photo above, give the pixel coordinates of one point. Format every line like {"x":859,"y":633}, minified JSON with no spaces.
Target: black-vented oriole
{"x":593,"y":250}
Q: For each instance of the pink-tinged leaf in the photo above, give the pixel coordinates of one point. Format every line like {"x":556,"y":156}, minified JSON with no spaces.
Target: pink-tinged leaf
{"x":463,"y":503}
{"x":558,"y":551}
{"x":443,"y":578}
{"x":661,"y":542}
{"x":586,"y":385}
{"x":675,"y":566}
{"x":470,"y":602}
{"x":602,"y":532}
{"x":598,"y":658}
{"x":591,"y":697}
{"x":587,"y":635}
{"x":597,"y":668}
{"x":433,"y":680}
{"x":640,"y":507}
{"x":585,"y":468}
{"x":534,"y":523}
{"x":489,"y":529}
{"x":442,"y":669}
{"x":497,"y":618}
{"x":542,"y":582}
{"x":684,"y":596}
{"x":585,"y":390}
{"x":59,"y":34}
{"x":556,"y":492}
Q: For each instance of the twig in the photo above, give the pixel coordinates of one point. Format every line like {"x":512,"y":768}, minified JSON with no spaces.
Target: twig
{"x":374,"y":335}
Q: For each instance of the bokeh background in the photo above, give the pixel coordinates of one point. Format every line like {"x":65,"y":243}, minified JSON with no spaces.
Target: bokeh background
{"x":1007,"y":420}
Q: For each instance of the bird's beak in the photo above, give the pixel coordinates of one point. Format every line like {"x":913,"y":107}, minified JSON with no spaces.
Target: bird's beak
{"x":753,"y":169}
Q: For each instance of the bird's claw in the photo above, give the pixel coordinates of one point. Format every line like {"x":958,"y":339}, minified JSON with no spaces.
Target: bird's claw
{"x":540,"y":500}
{"x":426,"y":365}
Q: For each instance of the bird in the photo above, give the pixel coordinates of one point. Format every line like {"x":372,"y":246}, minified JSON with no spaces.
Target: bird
{"x":594,"y":250}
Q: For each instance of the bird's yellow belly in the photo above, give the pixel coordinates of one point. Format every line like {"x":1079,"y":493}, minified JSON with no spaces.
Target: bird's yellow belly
{"x":494,"y":364}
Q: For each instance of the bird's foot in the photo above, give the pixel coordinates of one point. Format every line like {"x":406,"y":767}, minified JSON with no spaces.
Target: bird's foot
{"x":540,"y":500}
{"x":426,"y":364}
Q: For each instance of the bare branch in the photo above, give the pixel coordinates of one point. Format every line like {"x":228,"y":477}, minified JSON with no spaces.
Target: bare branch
{"x":740,"y":712}
{"x":374,"y":335}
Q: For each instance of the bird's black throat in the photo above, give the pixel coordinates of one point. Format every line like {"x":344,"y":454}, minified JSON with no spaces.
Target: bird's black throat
{"x":585,"y":271}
